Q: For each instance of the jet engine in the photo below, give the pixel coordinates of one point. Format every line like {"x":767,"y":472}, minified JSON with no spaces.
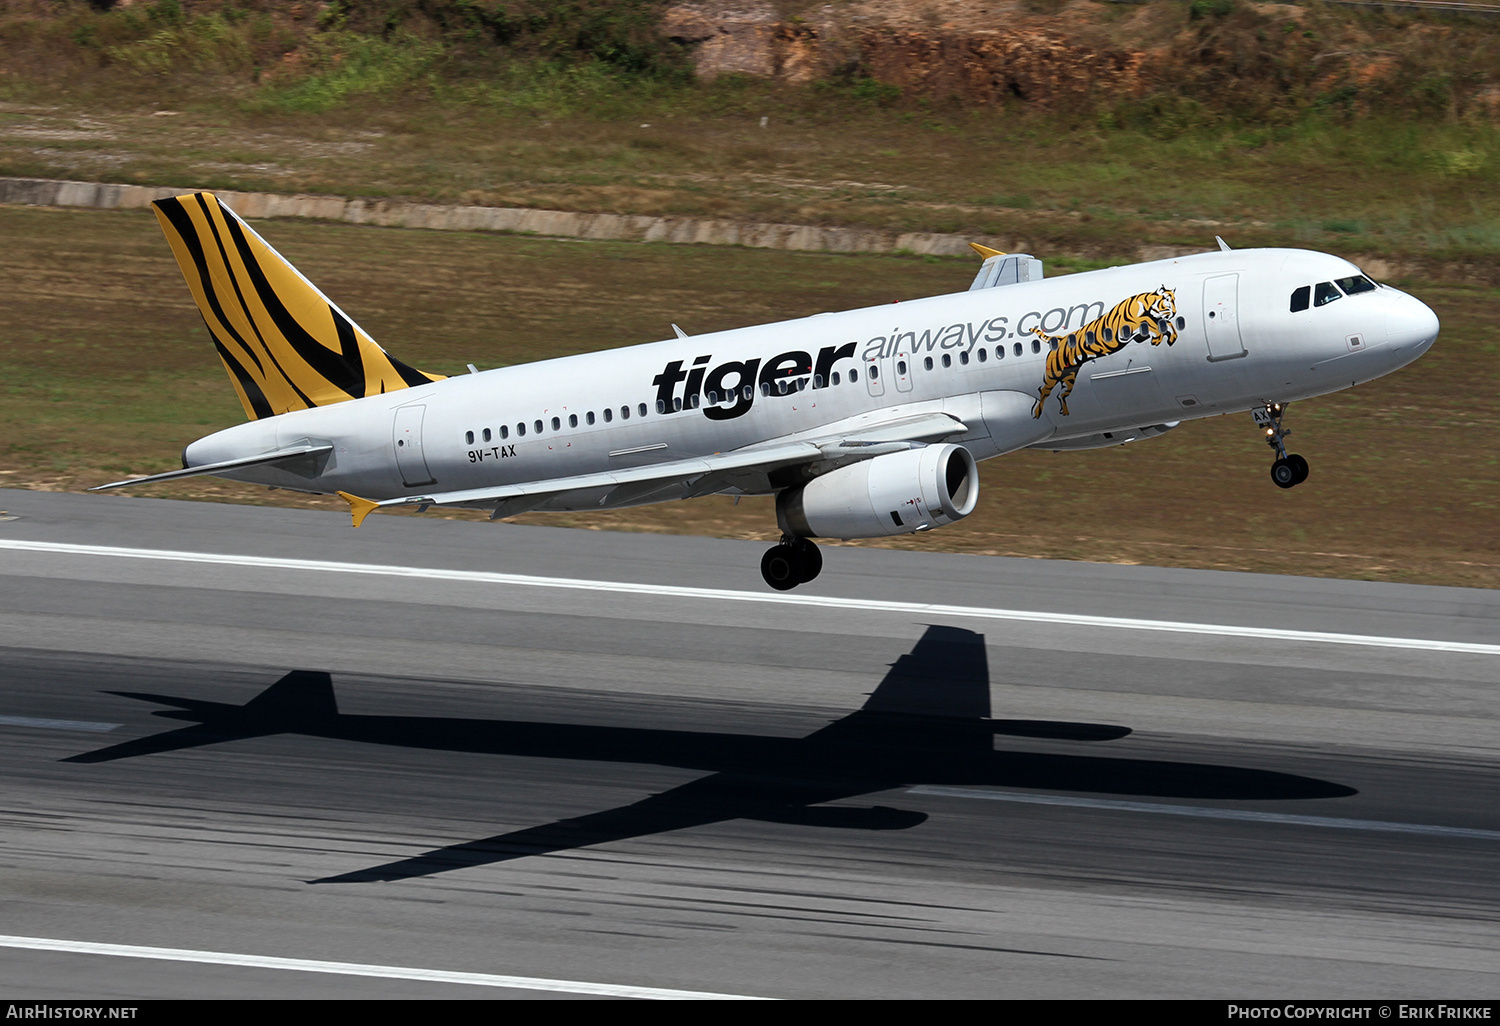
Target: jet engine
{"x":898,"y":493}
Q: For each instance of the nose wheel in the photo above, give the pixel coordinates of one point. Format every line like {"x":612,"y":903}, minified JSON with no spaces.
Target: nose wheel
{"x":791,"y":562}
{"x":1289,"y":469}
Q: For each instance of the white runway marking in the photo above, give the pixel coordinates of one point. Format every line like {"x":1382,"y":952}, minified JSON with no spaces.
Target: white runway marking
{"x":32,"y":721}
{"x":1246,"y":815}
{"x":390,"y":972}
{"x":766,"y":598}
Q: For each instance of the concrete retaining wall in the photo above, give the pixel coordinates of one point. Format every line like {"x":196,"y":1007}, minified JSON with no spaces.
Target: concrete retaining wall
{"x":561,"y":223}
{"x":632,"y":227}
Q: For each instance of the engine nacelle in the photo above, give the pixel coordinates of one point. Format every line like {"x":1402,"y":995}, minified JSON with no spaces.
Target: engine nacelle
{"x":898,"y":493}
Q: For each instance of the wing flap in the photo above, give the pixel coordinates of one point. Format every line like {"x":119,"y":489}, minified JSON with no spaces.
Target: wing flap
{"x":923,"y":427}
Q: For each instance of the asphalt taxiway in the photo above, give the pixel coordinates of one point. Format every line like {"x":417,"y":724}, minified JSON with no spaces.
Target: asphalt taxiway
{"x":249,"y":752}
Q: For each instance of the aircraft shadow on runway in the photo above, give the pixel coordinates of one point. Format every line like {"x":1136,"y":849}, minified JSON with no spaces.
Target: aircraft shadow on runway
{"x":928,"y":722}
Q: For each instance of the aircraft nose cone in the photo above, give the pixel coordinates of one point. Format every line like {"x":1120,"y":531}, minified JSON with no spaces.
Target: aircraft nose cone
{"x":1410,"y":322}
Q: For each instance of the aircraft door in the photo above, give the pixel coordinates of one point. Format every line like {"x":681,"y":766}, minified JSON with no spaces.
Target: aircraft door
{"x":875,"y":375}
{"x":1221,"y":317}
{"x":408,"y":444}
{"x":903,"y":370}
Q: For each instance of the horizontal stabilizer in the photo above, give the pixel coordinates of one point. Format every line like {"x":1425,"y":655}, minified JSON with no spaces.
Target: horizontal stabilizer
{"x":280,"y":455}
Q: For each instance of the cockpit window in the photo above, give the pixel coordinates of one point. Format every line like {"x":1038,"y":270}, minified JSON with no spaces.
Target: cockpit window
{"x":1355,"y":285}
{"x":1300,"y":298}
{"x":1324,"y":293}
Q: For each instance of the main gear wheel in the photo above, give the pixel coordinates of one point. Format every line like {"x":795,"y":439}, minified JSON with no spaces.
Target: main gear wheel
{"x":792,"y":562}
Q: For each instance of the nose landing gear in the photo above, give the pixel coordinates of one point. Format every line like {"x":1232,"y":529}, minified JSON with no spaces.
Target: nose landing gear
{"x":1289,"y":470}
{"x":791,"y":562}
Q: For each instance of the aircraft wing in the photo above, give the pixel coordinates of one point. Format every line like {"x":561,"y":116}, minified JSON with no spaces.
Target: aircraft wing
{"x":512,"y":498}
{"x":702,"y":475}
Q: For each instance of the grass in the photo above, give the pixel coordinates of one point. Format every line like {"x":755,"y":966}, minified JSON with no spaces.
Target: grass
{"x":582,"y":137}
{"x":107,"y":371}
{"x":1355,"y":130}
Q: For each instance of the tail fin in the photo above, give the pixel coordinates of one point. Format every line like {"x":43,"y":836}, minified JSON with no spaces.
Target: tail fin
{"x":284,"y":344}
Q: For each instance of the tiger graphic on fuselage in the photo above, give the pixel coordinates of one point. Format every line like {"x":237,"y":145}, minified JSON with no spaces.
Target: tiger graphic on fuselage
{"x":1150,"y":315}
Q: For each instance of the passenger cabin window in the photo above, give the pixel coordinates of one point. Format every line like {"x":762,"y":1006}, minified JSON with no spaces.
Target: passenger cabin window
{"x":572,"y":420}
{"x":982,"y":355}
{"x":469,"y":437}
{"x":963,"y":358}
{"x":853,"y":376}
{"x":641,"y":409}
{"x":947,"y":360}
{"x":504,"y":432}
{"x":1355,"y":285}
{"x":590,"y":417}
{"x":556,"y":425}
{"x":1325,"y":293}
{"x":836,"y":379}
{"x":624,"y":412}
{"x":1036,"y":345}
{"x":521,"y":429}
{"x":538,"y":427}
{"x":487,"y":435}
{"x":609,"y":415}
{"x":1018,"y":349}
{"x":1301,"y":298}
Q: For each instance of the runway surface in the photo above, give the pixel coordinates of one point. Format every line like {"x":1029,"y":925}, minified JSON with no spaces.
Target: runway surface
{"x":543,"y":762}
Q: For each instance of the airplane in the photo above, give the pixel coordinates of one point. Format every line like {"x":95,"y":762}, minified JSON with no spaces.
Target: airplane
{"x":863,"y":424}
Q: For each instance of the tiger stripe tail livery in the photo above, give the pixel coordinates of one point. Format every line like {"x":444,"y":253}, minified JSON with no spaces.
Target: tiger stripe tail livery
{"x":285,"y":345}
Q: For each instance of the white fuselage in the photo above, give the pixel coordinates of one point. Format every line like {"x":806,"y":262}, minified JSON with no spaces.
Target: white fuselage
{"x":1240,"y":345}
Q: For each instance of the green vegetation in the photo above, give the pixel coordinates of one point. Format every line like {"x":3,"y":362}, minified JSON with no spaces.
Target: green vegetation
{"x":108,"y":371}
{"x":1208,"y":62}
{"x":1367,"y":132}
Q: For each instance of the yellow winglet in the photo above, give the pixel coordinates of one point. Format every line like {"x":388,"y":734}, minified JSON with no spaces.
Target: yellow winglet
{"x":984,"y":251}
{"x":359,"y":508}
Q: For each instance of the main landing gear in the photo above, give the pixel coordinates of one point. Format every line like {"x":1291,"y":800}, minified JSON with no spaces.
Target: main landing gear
{"x":791,"y":562}
{"x":1289,"y":470}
